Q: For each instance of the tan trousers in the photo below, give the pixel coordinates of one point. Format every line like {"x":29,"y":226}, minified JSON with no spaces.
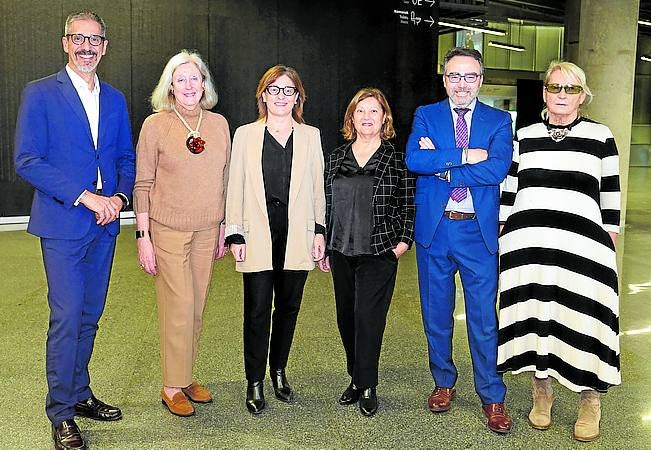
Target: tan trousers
{"x":184,"y":261}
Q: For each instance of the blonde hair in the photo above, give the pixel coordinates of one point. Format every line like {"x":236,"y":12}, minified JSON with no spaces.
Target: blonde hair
{"x":162,"y":99}
{"x":348,"y":130}
{"x":571,"y":71}
{"x":271,"y":75}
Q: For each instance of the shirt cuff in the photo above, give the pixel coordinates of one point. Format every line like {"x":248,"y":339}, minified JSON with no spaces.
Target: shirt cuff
{"x":319,"y":229}
{"x":234,"y":239}
{"x":76,"y":203}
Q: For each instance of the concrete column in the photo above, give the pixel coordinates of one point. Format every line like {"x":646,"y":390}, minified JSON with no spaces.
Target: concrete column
{"x":601,"y":37}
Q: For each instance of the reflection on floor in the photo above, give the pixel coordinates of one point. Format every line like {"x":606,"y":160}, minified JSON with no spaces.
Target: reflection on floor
{"x":125,"y":367}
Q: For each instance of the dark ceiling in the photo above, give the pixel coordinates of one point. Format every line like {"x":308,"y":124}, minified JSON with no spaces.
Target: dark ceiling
{"x":535,"y":12}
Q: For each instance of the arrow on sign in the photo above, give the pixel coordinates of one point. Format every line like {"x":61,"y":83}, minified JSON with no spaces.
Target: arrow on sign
{"x":430,"y":21}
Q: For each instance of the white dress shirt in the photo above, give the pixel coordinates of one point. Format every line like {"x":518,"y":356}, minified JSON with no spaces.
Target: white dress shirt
{"x":90,"y":101}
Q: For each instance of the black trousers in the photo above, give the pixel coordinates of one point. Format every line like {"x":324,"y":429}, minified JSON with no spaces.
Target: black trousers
{"x":281,"y":288}
{"x":363,"y":288}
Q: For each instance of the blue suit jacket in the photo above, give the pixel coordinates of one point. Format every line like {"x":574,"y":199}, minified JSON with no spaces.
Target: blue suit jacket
{"x":490,"y":129}
{"x":55,"y":153}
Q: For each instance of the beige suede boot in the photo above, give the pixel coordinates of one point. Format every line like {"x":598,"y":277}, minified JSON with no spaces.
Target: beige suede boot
{"x":540,"y":416}
{"x":586,"y":428}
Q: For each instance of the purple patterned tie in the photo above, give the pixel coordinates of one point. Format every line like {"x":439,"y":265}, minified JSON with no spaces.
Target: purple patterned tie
{"x":461,"y":139}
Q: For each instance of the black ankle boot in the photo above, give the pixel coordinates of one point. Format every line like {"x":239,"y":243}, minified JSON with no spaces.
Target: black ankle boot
{"x":282,"y":389}
{"x":368,"y":402}
{"x":255,"y":397}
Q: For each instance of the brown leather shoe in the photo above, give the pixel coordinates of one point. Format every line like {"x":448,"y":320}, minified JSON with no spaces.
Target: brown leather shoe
{"x":178,"y":405}
{"x":67,"y":436}
{"x":197,"y":393}
{"x":499,"y":420}
{"x":440,"y":400}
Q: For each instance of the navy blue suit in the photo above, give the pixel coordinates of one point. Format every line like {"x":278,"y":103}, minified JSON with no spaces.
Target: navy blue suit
{"x":445,"y":246}
{"x":55,"y":153}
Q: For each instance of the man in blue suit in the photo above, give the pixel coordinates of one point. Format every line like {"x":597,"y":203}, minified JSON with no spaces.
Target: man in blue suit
{"x":461,"y":150}
{"x":73,"y":144}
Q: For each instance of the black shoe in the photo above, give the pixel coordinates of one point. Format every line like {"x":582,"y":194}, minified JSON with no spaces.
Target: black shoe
{"x":282,"y":389}
{"x":350,"y":395}
{"x":255,"y":397}
{"x":368,"y":402}
{"x":97,"y":410}
{"x":67,"y":436}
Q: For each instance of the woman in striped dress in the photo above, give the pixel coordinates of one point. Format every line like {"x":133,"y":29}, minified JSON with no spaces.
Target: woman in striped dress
{"x":559,"y":221}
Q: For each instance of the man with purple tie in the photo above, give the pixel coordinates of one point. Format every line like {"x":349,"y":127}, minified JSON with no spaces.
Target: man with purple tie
{"x":461,"y":150}
{"x":73,"y":144}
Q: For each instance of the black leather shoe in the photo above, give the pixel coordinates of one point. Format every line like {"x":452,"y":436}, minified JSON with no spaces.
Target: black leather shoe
{"x":282,"y":389}
{"x":368,"y":402}
{"x":67,"y":436}
{"x":255,"y":397}
{"x":97,"y":410}
{"x":350,"y":395}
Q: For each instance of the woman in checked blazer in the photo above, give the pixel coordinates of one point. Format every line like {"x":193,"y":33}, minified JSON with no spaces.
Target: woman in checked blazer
{"x":370,"y":224}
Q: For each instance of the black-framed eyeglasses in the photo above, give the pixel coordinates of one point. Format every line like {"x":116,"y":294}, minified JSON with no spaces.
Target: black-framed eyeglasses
{"x":275,"y":90}
{"x":570,"y":89}
{"x":455,"y":77}
{"x":79,"y":39}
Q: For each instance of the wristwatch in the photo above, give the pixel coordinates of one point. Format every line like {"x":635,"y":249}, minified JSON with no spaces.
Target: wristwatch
{"x":140,"y":234}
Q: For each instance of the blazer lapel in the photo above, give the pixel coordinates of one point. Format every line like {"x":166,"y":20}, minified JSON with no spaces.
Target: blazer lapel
{"x":70,"y":94}
{"x":104,"y":110}
{"x":384,"y":158}
{"x":255,"y":141}
{"x":299,"y":161}
{"x":445,"y":125}
{"x":477,"y":125}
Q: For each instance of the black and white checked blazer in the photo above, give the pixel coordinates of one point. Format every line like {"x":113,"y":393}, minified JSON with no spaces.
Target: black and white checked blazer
{"x":393,"y":197}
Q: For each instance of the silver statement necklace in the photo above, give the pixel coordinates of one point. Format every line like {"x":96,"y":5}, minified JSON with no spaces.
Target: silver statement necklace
{"x":194,"y":143}
{"x":558,"y":134}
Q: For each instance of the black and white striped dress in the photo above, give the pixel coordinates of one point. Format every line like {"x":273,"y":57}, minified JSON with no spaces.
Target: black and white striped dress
{"x":559,"y":303}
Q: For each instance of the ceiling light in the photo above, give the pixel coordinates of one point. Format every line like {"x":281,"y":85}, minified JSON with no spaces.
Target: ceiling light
{"x":515,"y":48}
{"x":472,"y":28}
{"x":645,"y":58}
{"x":644,"y":22}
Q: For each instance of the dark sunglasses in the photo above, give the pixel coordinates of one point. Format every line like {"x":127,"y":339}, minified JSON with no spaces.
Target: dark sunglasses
{"x":570,"y":89}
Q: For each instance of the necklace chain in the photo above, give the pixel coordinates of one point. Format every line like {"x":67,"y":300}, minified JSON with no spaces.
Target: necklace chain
{"x":192,"y":133}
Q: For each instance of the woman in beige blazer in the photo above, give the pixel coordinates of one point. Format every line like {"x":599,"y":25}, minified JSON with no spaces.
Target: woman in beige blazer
{"x":275,"y":216}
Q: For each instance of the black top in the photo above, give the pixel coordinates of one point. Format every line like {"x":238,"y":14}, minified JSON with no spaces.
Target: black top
{"x":276,"y":168}
{"x":352,"y":206}
{"x":276,"y":173}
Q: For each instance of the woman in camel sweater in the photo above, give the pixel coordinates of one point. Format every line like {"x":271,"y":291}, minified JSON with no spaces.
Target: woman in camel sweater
{"x":179,"y":197}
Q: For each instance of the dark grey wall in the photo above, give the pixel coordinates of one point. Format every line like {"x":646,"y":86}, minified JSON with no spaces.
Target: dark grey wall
{"x":337,"y":47}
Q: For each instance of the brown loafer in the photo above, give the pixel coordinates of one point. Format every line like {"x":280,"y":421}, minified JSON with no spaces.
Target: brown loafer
{"x":499,"y":420}
{"x":440,"y":400}
{"x":197,"y":393}
{"x":178,"y":404}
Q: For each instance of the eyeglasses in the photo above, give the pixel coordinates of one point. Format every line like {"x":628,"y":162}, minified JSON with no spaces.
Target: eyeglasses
{"x":571,"y":89}
{"x":275,"y":90}
{"x":79,"y":39}
{"x":455,"y":77}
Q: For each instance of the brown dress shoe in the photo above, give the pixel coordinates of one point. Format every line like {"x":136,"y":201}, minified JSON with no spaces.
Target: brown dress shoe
{"x":178,"y":404}
{"x":440,"y":400}
{"x":499,"y":420}
{"x":197,"y":393}
{"x":67,"y":436}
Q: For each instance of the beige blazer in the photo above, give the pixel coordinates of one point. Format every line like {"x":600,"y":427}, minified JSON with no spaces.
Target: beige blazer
{"x":246,"y":208}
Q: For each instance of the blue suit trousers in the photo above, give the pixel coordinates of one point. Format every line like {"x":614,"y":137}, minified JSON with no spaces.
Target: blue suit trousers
{"x":458,"y":246}
{"x":77,"y":274}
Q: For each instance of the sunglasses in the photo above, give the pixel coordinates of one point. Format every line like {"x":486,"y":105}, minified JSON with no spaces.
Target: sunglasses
{"x":571,"y":89}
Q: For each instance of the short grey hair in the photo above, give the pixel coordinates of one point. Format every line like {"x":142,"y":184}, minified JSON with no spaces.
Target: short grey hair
{"x":85,"y":15}
{"x":162,"y":99}
{"x":461,"y":51}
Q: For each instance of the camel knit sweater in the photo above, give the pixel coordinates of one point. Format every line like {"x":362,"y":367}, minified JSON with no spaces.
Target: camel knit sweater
{"x":179,"y":189}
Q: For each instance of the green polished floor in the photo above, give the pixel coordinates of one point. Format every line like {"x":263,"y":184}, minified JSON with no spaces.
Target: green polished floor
{"x":125,"y":368}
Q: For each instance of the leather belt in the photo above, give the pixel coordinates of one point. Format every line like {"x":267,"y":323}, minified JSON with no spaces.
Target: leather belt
{"x":455,"y":215}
